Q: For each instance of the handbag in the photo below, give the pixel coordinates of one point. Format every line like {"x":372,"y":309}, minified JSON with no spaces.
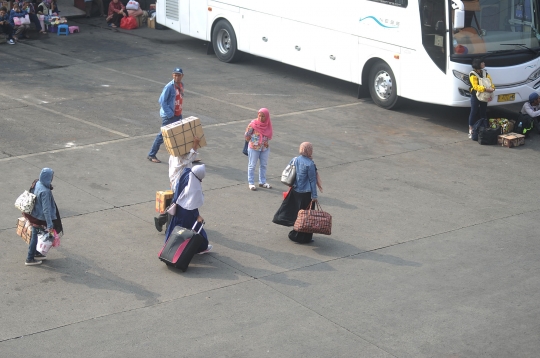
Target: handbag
{"x":25,"y":20}
{"x":45,"y":242}
{"x":128,"y":23}
{"x":315,"y":221}
{"x":25,"y":202}
{"x":483,"y":81}
{"x":288,"y":176}
{"x":246,"y":145}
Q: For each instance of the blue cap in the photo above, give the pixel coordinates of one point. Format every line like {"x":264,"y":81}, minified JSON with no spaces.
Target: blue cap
{"x":533,"y":97}
{"x":178,"y":70}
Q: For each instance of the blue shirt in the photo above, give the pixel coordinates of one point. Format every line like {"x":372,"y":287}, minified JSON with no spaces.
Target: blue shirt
{"x":306,"y":176}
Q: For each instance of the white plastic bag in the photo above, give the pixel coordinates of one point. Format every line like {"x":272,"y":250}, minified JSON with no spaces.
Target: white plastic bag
{"x":45,"y":242}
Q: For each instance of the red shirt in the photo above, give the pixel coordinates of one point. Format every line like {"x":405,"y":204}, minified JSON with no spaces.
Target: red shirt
{"x":179,"y":100}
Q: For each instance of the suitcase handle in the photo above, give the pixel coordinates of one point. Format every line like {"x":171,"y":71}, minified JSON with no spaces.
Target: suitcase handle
{"x":194,"y":225}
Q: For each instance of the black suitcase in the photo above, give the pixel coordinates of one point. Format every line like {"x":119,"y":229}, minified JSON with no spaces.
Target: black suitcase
{"x":182,"y":245}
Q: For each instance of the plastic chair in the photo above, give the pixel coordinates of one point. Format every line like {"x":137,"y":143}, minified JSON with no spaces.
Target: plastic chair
{"x":73,"y":29}
{"x":63,"y":29}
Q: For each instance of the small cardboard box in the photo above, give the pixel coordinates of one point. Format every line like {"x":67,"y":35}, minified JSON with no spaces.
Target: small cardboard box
{"x":24,"y":229}
{"x":178,"y":136}
{"x":511,"y":140}
{"x":151,"y":22}
{"x":161,"y":200}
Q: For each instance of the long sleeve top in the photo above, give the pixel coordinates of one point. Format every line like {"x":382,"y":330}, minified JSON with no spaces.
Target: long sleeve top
{"x":533,"y":111}
{"x":475,"y":85}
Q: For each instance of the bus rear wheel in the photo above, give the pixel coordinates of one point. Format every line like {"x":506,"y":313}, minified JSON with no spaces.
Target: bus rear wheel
{"x":224,"y":42}
{"x":382,"y":86}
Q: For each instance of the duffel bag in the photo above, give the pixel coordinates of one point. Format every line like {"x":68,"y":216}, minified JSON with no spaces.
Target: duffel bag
{"x":488,"y":136}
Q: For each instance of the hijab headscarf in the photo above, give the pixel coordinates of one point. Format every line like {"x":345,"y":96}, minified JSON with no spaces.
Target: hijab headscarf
{"x":264,"y":128}
{"x":306,"y":149}
{"x":192,"y":197}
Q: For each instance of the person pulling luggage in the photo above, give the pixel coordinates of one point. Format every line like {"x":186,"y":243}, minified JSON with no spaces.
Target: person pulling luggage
{"x":188,"y":198}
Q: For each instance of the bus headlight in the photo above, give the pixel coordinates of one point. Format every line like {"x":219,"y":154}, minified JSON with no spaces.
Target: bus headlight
{"x":534,"y":75}
{"x":462,"y":77}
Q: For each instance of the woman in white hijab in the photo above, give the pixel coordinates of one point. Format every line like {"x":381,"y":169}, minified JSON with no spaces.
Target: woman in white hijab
{"x":189,"y":198}
{"x":176,"y":168}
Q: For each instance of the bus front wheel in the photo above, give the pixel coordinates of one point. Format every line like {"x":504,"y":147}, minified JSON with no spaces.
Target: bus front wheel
{"x":224,"y":42}
{"x":382,"y":86}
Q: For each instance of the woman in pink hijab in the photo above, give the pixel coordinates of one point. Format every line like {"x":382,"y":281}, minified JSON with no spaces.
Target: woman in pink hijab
{"x":258,"y":134}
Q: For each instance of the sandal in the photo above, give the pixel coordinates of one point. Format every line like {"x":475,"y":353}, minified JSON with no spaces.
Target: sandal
{"x":252,"y":187}
{"x":153,"y":159}
{"x":265,"y":185}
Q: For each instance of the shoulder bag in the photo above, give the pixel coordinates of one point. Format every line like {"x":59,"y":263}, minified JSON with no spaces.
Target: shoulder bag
{"x":288,"y":176}
{"x":483,"y":81}
{"x":313,"y":221}
{"x":25,"y":202}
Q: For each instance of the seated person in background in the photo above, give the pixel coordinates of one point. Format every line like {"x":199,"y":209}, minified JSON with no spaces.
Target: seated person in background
{"x":117,"y":11}
{"x":5,"y":25}
{"x":44,"y":8}
{"x":20,"y":30}
{"x":54,"y":7}
{"x":531,"y":111}
{"x":29,"y":8}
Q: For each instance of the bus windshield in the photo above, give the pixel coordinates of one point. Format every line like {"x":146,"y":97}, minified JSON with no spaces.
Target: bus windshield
{"x":497,"y":26}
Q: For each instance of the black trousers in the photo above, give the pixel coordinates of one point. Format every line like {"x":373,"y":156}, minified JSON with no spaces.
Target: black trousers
{"x":7,"y":29}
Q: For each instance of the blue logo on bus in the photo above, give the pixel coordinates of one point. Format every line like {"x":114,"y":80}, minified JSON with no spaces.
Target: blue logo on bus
{"x":386,"y":23}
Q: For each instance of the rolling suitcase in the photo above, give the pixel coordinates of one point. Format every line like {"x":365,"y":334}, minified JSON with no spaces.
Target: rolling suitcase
{"x":181,"y":246}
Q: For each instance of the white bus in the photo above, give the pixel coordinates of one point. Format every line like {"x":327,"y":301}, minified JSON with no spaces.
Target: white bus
{"x":416,"y":49}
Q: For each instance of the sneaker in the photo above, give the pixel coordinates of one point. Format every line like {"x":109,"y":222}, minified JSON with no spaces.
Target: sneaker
{"x":38,"y":255}
{"x":32,"y":262}
{"x":252,"y":187}
{"x":206,"y":251}
{"x":11,"y":42}
{"x":265,"y":185}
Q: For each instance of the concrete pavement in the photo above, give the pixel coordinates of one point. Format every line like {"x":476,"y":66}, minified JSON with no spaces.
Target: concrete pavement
{"x":434,"y":249}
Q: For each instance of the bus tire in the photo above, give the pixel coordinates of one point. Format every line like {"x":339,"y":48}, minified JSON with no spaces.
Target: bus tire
{"x":383,"y":86}
{"x":224,"y":42}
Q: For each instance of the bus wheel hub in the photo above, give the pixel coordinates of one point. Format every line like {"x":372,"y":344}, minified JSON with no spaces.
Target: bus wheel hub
{"x":383,"y":85}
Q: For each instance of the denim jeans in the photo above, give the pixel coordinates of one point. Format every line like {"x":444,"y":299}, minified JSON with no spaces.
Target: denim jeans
{"x":477,"y":107}
{"x":159,"y":138}
{"x":33,"y":244}
{"x":253,"y":156}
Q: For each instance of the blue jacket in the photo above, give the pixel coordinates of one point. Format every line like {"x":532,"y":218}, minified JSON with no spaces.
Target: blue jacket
{"x":166,"y":100}
{"x":13,"y":14}
{"x":6,"y":17}
{"x":306,"y":176}
{"x":45,"y":207}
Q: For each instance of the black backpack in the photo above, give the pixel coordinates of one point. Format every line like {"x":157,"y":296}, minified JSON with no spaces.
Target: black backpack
{"x":482,"y":122}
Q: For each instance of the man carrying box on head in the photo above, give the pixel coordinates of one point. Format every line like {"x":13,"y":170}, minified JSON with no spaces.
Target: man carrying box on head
{"x":171,"y":101}
{"x":530,"y":113}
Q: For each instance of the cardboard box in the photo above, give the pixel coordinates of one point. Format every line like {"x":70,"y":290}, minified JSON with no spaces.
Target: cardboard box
{"x":161,"y":200}
{"x":24,"y":229}
{"x":511,"y":140}
{"x":178,"y":136}
{"x":151,"y":22}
